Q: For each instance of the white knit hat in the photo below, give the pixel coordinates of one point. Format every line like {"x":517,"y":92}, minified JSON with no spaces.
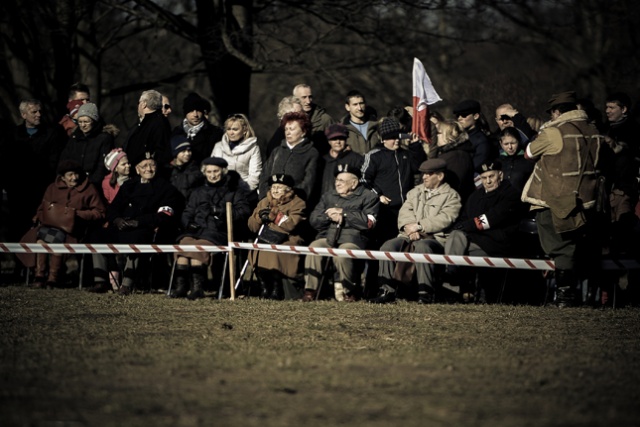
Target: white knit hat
{"x":89,"y":110}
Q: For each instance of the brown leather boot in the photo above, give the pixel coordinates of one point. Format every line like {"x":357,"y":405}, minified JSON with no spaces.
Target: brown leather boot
{"x":41,"y":268}
{"x":55,"y":263}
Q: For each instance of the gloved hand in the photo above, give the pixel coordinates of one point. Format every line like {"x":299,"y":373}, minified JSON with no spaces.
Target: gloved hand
{"x":192,"y":227}
{"x":120,"y":224}
{"x":264,"y":215}
{"x":132,"y":223}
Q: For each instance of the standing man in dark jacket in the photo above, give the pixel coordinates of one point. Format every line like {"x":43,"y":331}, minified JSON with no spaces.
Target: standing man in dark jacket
{"x":344,"y":218}
{"x":318,"y":116}
{"x":201,"y":133}
{"x":40,"y":144}
{"x":339,"y":153}
{"x":389,"y":171}
{"x":152,"y":133}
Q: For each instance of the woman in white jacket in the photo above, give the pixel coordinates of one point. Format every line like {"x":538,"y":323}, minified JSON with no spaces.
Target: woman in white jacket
{"x":239,"y":147}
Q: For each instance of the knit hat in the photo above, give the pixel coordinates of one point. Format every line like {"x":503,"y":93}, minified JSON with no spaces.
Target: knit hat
{"x":69,"y":165}
{"x":433,"y":165}
{"x":74,"y":106}
{"x":215,"y":161}
{"x":490,"y":166}
{"x":282,"y":179}
{"x":194,"y":102}
{"x":179,"y":143}
{"x":112,"y":159}
{"x":89,"y":110}
{"x":336,"y":131}
{"x":347,"y":168}
{"x":389,"y":129}
{"x":568,"y":97}
{"x":466,"y":107}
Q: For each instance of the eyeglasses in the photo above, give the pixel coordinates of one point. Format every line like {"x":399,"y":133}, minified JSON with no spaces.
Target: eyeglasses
{"x":463,"y":115}
{"x":235,"y":116}
{"x":166,"y":107}
{"x":503,"y":118}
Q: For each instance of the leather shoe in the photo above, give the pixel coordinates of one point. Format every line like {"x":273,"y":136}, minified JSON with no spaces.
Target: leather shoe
{"x":124,"y":290}
{"x":426,"y":298}
{"x":384,"y":297}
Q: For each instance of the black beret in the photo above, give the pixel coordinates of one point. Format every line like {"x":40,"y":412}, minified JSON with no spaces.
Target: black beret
{"x":215,"y":161}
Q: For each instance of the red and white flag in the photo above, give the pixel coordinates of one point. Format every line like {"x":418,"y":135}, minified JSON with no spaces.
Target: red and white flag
{"x":424,"y":94}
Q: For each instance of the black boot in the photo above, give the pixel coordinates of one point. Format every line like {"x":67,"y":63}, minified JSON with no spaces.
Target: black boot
{"x":426,"y":294}
{"x":182,"y":282}
{"x":386,"y":295}
{"x":566,"y":293}
{"x":266,"y":286}
{"x":197,"y":289}
{"x":278,"y":291}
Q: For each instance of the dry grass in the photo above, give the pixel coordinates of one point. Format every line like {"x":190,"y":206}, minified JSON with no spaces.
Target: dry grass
{"x":69,"y":358}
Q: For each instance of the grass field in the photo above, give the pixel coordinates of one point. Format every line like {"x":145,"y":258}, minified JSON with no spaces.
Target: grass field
{"x":70,"y":358}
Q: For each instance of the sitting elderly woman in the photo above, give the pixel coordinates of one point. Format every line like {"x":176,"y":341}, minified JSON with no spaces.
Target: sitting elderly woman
{"x":277,"y":219}
{"x":204,"y":222}
{"x":69,"y":206}
{"x":145,"y":205}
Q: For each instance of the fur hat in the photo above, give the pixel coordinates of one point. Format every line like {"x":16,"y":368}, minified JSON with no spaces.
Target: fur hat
{"x":112,"y":159}
{"x":215,"y":161}
{"x":433,"y":165}
{"x":74,"y":106}
{"x":89,"y":110}
{"x":179,"y":143}
{"x":347,"y":168}
{"x":389,"y":129}
{"x":194,"y":102}
{"x":466,"y":107}
{"x":282,"y":179}
{"x":336,"y":131}
{"x":69,"y":165}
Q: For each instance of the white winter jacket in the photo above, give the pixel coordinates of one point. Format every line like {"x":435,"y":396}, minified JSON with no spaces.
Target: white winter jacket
{"x":245,"y":159}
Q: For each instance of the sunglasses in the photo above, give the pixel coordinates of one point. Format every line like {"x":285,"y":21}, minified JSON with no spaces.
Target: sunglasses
{"x":166,"y":107}
{"x":504,"y":118}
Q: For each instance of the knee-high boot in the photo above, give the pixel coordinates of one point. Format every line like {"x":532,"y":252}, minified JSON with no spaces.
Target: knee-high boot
{"x":40,"y":270}
{"x":55,"y":263}
{"x":197,"y":288}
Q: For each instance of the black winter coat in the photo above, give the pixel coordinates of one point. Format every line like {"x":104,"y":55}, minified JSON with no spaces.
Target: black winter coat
{"x":151,"y":135}
{"x":391,"y":173}
{"x":186,"y":178}
{"x":143,"y":203}
{"x":500,"y":211}
{"x":206,"y":209}
{"x":89,"y":151}
{"x":516,"y":169}
{"x":300,"y":163}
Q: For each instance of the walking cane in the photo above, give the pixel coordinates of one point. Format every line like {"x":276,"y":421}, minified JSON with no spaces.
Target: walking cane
{"x":328,"y":261}
{"x":246,"y":263}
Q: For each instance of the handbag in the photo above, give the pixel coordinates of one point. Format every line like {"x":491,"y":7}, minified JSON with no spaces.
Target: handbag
{"x":271,"y":236}
{"x":59,"y":216}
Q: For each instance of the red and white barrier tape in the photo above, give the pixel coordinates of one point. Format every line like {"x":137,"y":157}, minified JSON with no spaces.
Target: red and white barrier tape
{"x":459,"y":260}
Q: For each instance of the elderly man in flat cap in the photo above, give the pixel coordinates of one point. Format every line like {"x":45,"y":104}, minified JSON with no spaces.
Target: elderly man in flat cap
{"x":428,"y":213}
{"x":344,"y":218}
{"x":562,"y":191}
{"x":487,"y":226}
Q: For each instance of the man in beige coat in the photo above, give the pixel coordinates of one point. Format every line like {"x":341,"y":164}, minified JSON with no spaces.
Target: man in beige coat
{"x":430,"y":210}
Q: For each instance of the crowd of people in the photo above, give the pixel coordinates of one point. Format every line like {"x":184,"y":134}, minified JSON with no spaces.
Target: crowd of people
{"x":362,"y":181}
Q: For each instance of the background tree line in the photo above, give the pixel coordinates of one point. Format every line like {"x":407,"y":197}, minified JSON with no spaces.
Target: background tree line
{"x":244,"y":55}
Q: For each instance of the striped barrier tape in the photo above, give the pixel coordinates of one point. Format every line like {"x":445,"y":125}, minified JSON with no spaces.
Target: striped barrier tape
{"x":459,"y":260}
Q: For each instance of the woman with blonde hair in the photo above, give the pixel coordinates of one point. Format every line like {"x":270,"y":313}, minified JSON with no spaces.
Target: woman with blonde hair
{"x":239,"y":147}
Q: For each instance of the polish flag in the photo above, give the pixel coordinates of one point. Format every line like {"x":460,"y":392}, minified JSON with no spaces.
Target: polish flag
{"x":424,"y":94}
